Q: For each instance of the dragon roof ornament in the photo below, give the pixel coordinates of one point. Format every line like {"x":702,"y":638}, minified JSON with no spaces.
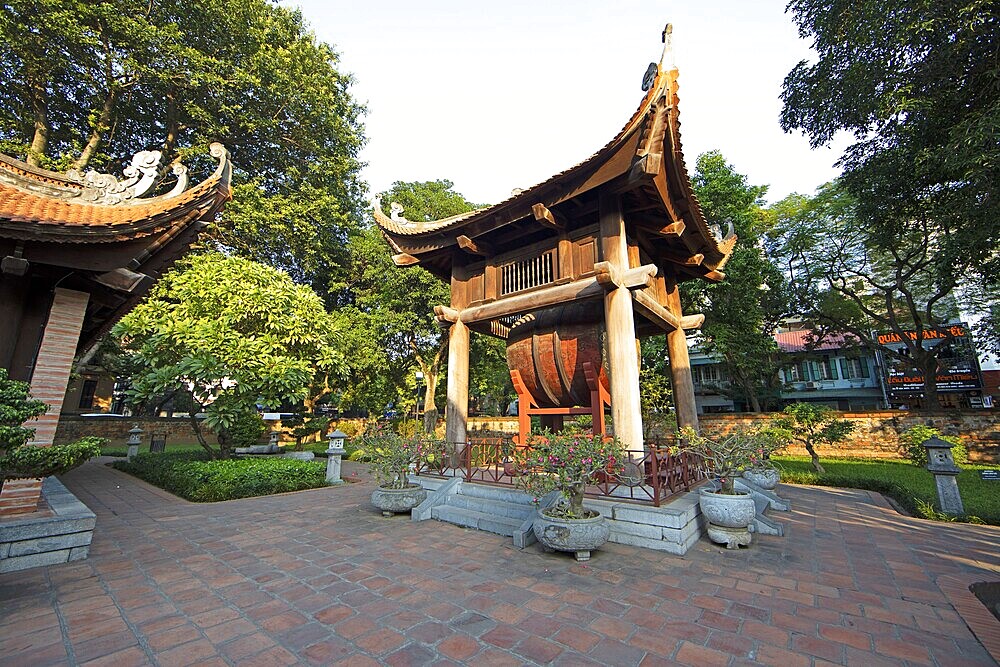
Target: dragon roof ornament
{"x":142,"y":174}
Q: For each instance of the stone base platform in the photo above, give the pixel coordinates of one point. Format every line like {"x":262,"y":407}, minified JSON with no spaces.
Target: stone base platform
{"x":60,"y":534}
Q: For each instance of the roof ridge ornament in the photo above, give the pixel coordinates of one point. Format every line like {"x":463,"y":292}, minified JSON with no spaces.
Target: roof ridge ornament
{"x":654,"y":69}
{"x":140,"y":176}
{"x":667,"y":57}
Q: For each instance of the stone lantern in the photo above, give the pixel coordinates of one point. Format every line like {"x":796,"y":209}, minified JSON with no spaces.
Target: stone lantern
{"x":134,"y":438}
{"x":273,"y":443}
{"x":941,"y":463}
{"x":333,"y":456}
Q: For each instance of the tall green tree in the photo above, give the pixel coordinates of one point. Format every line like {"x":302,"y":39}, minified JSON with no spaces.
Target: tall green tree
{"x":399,"y":303}
{"x":228,"y":333}
{"x":917,"y":82}
{"x":89,"y":83}
{"x":742,"y":311}
{"x":846,"y":281}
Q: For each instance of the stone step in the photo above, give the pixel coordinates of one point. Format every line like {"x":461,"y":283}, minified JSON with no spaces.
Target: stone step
{"x":501,"y":525}
{"x":507,"y":495}
{"x":490,"y":506}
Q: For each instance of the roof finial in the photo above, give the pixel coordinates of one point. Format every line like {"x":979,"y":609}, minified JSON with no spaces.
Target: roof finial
{"x":667,"y":59}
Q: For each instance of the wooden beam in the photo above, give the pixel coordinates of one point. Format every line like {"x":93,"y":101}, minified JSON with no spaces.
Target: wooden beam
{"x":587,"y":288}
{"x":610,"y":278}
{"x":445,"y":314}
{"x":404,"y":259}
{"x":646,"y":304}
{"x":475,"y":247}
{"x":692,"y":321}
{"x":548,"y":218}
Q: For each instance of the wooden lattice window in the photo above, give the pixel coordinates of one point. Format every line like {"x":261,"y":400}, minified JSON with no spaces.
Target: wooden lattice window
{"x":525,"y":274}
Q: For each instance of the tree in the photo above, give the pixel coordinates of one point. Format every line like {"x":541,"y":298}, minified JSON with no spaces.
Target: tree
{"x":742,"y":311}
{"x":18,"y":459}
{"x":400,"y":302}
{"x":811,"y":424}
{"x":916,"y":82}
{"x":89,"y":83}
{"x":229,"y":333}
{"x":844,"y":280}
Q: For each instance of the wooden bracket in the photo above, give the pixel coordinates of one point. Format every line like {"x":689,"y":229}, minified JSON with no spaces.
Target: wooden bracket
{"x":684,"y":260}
{"x":715,"y":276}
{"x":474,"y":247}
{"x":646,"y":304}
{"x":548,"y":218}
{"x":404,"y":259}
{"x":647,"y":166}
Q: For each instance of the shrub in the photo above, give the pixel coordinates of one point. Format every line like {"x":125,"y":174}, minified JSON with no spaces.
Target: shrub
{"x":393,"y":456}
{"x":246,"y":429}
{"x":911,"y":445}
{"x":197,"y":477}
{"x":31,"y":461}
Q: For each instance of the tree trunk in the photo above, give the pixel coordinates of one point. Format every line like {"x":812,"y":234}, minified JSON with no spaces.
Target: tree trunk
{"x":817,"y":466}
{"x":170,"y":141}
{"x":40,"y":140}
{"x":754,"y":401}
{"x":196,"y":427}
{"x":430,"y":407}
{"x":929,"y":366}
{"x":97,"y":133}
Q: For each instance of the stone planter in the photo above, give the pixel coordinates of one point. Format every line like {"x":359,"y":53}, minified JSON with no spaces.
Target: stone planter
{"x":299,"y":456}
{"x":765,"y":478}
{"x":728,"y":517}
{"x":391,"y":501}
{"x":581,"y":536}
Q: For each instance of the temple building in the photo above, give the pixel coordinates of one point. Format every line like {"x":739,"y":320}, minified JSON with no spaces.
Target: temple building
{"x":77,"y":251}
{"x":572,"y":272}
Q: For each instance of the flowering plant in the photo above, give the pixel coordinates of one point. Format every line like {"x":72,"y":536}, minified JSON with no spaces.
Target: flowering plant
{"x":566,"y":463}
{"x":726,"y":458}
{"x":393,"y":456}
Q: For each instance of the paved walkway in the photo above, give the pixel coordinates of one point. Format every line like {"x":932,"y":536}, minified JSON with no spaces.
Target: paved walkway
{"x":319,"y":576}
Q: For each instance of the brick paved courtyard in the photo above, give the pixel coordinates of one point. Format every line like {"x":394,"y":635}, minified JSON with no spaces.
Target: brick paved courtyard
{"x":319,"y":577}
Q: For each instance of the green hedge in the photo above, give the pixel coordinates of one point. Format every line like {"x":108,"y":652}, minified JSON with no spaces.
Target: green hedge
{"x":912,"y":487}
{"x":192,"y":475}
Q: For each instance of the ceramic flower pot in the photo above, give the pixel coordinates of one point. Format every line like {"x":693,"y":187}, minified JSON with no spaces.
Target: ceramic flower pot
{"x":580,"y":536}
{"x":728,"y":517}
{"x":765,"y":478}
{"x":391,"y":501}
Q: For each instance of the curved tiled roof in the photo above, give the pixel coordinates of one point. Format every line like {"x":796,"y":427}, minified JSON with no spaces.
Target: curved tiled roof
{"x":653,"y":128}
{"x":37,"y":204}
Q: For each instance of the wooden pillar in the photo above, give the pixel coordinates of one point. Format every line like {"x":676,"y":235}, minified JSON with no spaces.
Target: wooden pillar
{"x":49,"y":380}
{"x":457,"y":416}
{"x":620,"y":323}
{"x":458,"y":382}
{"x":680,"y":362}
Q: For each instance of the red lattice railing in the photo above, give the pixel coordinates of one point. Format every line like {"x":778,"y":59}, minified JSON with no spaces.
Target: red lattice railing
{"x":651,"y":475}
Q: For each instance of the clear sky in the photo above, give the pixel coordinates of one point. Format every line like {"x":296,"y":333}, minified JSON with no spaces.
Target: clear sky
{"x":502,"y":95}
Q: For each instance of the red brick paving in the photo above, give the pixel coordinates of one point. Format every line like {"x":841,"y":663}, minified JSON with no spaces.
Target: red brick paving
{"x":319,"y":577}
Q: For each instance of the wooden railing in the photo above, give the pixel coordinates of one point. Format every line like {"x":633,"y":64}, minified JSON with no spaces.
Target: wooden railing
{"x":649,"y":476}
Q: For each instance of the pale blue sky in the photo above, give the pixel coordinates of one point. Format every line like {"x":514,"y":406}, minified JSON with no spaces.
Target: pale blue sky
{"x":501,"y":95}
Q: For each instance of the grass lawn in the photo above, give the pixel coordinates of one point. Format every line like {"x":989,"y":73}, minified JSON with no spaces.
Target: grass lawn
{"x":912,"y":487}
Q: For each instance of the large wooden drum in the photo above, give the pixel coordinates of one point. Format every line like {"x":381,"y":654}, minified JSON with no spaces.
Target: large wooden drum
{"x":549,"y":348}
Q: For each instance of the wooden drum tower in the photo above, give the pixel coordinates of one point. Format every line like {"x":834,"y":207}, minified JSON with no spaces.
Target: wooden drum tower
{"x":575,"y":270}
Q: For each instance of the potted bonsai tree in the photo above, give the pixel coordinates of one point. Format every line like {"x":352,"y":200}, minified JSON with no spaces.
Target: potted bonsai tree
{"x":568,"y":463}
{"x":392,"y":458}
{"x":761,"y":471}
{"x":19,"y":460}
{"x":728,"y":512}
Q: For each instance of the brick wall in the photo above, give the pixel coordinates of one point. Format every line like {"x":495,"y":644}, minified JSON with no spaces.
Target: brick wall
{"x":875,"y":433}
{"x":49,"y":380}
{"x":115,"y":429}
